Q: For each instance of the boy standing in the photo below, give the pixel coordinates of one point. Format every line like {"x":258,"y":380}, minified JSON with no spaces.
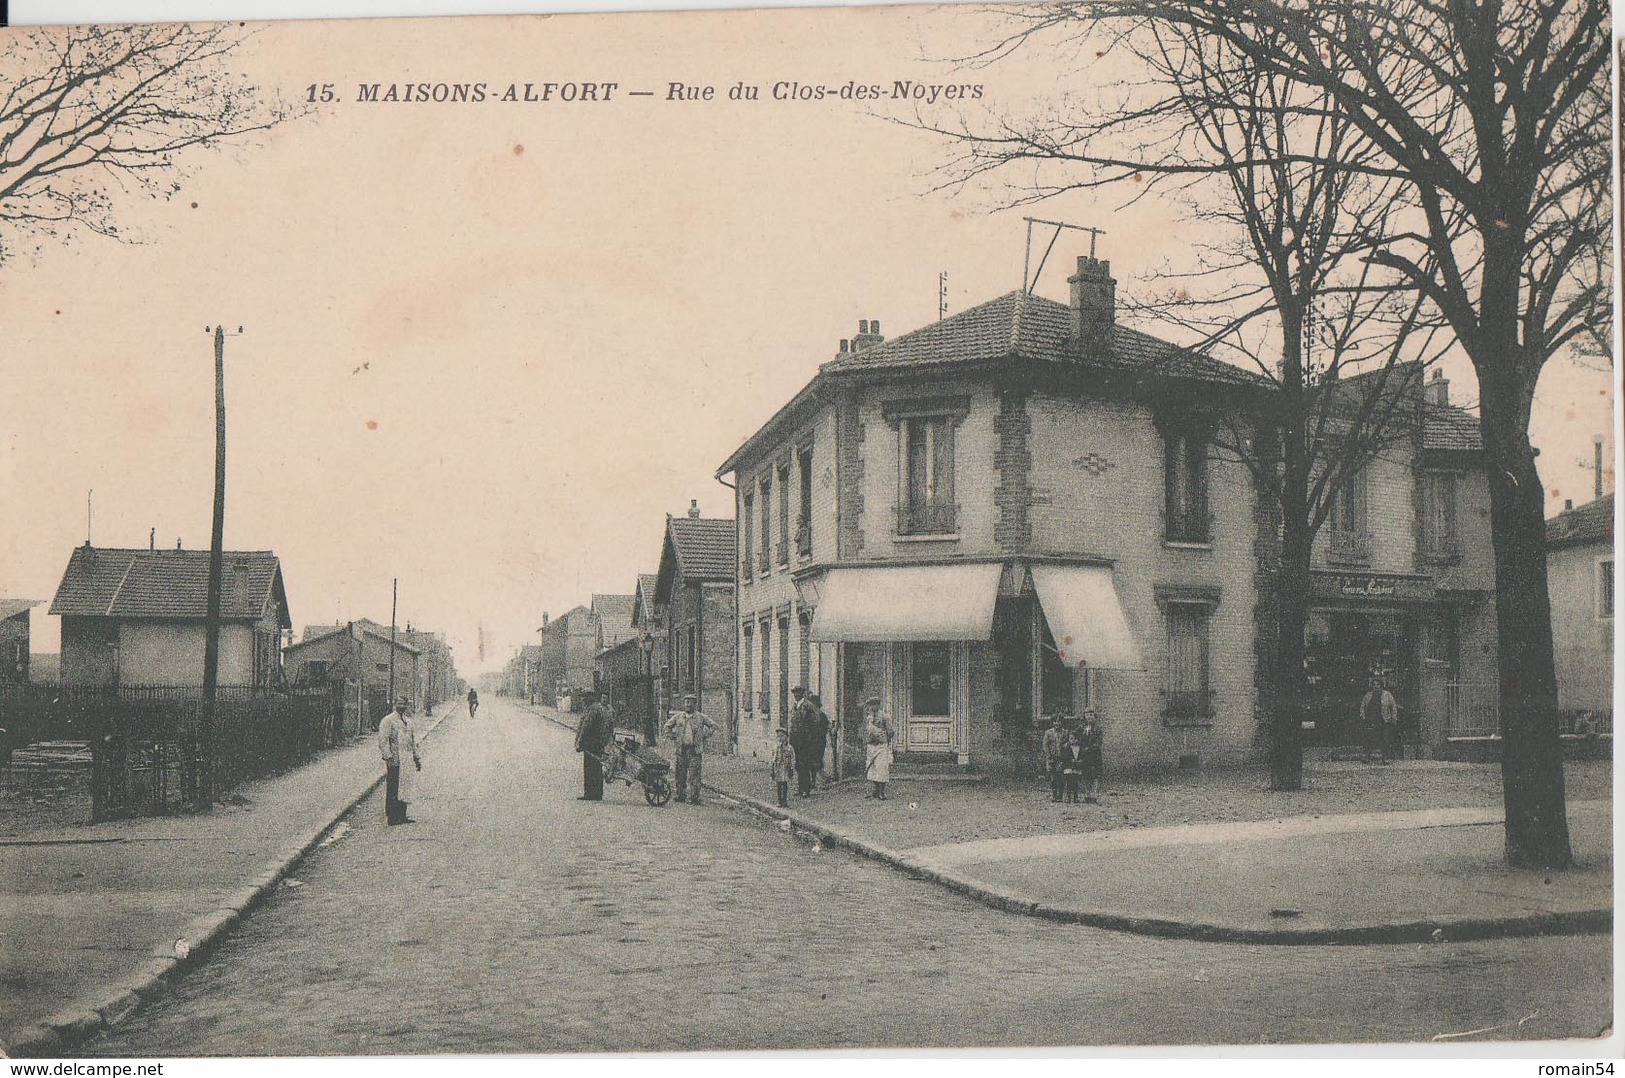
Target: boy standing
{"x":784,"y":765}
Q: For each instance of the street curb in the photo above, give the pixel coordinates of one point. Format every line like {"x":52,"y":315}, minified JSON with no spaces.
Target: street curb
{"x":76,"y":1023}
{"x":1443,"y":930}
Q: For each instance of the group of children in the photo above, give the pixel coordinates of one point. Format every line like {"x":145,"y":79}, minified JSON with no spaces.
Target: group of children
{"x":1074,"y":758}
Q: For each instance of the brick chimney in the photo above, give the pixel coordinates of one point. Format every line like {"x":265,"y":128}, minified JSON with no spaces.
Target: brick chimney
{"x":1437,"y":391}
{"x":868,"y":335}
{"x":1094,"y":306}
{"x":693,"y":509}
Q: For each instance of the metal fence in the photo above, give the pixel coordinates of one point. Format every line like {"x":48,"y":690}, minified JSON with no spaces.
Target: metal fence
{"x":146,"y":754}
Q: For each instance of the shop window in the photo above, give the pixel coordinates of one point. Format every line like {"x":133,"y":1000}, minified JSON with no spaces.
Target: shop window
{"x":1185,"y":513}
{"x":1350,"y":534}
{"x":1605,"y":588}
{"x":1439,"y":516}
{"x":748,"y":515}
{"x":927,"y":503}
{"x":929,"y":679}
{"x":1187,"y":697}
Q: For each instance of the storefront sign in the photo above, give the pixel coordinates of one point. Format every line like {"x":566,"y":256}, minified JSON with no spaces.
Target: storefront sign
{"x":1369,"y":586}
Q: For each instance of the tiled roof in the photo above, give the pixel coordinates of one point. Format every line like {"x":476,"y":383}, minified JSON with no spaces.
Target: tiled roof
{"x":168,"y":584}
{"x":704,"y":548}
{"x":351,"y":629}
{"x":614,"y":618}
{"x":646,"y":597}
{"x":1589,"y":523}
{"x":1022,"y":324}
{"x":1447,"y":427}
{"x":10,"y":608}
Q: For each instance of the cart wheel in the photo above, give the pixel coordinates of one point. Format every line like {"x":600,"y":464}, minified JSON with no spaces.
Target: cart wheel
{"x":657,"y":792}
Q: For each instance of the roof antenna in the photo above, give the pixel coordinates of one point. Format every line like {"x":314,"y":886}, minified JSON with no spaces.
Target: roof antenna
{"x":88,"y":493}
{"x":1029,"y":276}
{"x":942,"y":295}
{"x":152,"y":540}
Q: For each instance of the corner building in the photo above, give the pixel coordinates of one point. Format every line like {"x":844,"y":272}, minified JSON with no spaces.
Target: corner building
{"x":1007,"y":513}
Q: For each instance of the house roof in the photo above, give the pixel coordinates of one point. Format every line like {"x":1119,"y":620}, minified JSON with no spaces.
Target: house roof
{"x":614,"y":618}
{"x":699,"y":548}
{"x":1447,"y":427}
{"x":10,"y":608}
{"x":643,"y":612}
{"x":1589,"y":523}
{"x":564,"y":619}
{"x":351,"y":629}
{"x":168,"y":584}
{"x":1017,"y":325}
{"x":1022,"y":324}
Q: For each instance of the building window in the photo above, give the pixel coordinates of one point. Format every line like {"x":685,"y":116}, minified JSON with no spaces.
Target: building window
{"x":747,"y":657}
{"x":930,"y":672}
{"x":784,"y":669}
{"x":748,"y":515}
{"x":1605,"y":588}
{"x":784,"y":515}
{"x":1350,"y":534}
{"x":1187,"y":697}
{"x":693,"y":660}
{"x":682,"y":663}
{"x":805,"y":622}
{"x":1439,"y":516}
{"x":765,"y":702}
{"x":804,"y":522}
{"x":1185,"y":508}
{"x":927,"y":503}
{"x":765,"y":561}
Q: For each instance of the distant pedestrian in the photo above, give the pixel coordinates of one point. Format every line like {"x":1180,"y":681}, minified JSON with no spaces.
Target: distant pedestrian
{"x":877,"y":740}
{"x":1093,"y":763}
{"x":806,"y":740}
{"x":593,"y":735}
{"x":689,"y":728}
{"x":473,"y":702}
{"x":825,"y":731}
{"x":1379,"y":714}
{"x":395,"y":738}
{"x":1054,"y":742}
{"x":784,"y":766}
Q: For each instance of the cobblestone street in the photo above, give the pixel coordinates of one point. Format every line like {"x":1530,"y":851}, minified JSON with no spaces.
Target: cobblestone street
{"x":512,"y":917}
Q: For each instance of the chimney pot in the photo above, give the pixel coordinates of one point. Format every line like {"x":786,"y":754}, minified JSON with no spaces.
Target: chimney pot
{"x":693,"y":509}
{"x":845,"y":346}
{"x":1568,"y":503}
{"x":863,"y":327}
{"x":1437,"y":391}
{"x":874,"y":326}
{"x":177,"y":542}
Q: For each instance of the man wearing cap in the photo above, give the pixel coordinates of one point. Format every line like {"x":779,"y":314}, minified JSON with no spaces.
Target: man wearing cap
{"x":806,"y":739}
{"x":594,"y":734}
{"x":394,"y":736}
{"x":689,"y":729}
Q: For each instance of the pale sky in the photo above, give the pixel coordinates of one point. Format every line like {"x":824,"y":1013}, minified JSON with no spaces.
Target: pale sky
{"x":488,"y":347}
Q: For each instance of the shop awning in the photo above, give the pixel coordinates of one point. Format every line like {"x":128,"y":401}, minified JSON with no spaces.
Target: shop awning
{"x":907,"y":602}
{"x":1086,"y":617}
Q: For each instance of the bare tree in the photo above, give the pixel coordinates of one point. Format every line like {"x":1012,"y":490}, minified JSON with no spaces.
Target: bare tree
{"x":1286,"y":196}
{"x":1495,"y":115}
{"x":92,"y":117}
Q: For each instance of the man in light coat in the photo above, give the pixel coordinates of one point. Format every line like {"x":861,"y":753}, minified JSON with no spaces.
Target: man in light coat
{"x":1379,"y":711}
{"x":689,"y":729}
{"x":395,"y":738}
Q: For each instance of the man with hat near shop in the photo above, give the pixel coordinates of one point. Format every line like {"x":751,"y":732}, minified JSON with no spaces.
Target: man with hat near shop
{"x":807,"y":737}
{"x":689,"y":729}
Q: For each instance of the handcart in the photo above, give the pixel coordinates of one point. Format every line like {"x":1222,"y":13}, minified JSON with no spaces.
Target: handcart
{"x":627,"y":761}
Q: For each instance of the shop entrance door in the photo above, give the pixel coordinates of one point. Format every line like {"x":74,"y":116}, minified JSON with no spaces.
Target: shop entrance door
{"x":1344,"y":650}
{"x":929,"y":678}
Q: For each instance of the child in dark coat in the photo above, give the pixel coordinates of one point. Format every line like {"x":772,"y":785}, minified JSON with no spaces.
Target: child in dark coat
{"x":1072,"y":766}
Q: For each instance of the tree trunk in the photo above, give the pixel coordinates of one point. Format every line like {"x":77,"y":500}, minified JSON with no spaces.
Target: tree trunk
{"x":1537,"y":829}
{"x":1292,"y":613}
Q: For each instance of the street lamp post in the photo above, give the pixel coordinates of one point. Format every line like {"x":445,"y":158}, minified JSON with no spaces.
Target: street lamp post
{"x":650,"y":719}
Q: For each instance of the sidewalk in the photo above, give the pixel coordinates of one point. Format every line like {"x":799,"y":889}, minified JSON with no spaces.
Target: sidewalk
{"x":1216,"y":856}
{"x":96,"y":917}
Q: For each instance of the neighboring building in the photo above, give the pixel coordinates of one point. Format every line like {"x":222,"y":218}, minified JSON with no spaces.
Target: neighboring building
{"x":136,"y":617}
{"x":1005,"y":514}
{"x":14,"y":641}
{"x":694,"y":597}
{"x":437,"y":679}
{"x":360,"y":655}
{"x":1404,"y":579}
{"x":1580,"y":577}
{"x":612,"y":620}
{"x":569,"y":648}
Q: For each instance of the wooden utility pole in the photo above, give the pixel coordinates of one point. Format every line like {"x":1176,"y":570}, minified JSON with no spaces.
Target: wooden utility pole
{"x":211,"y":618}
{"x":394,"y":596}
